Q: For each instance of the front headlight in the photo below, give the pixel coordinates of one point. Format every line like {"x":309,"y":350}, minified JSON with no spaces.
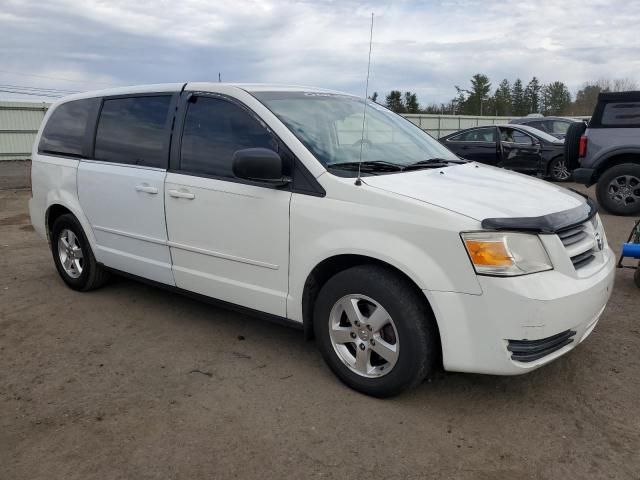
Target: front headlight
{"x":506,"y":254}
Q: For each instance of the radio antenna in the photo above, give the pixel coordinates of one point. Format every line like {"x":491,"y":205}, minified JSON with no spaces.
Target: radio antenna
{"x":366,"y":97}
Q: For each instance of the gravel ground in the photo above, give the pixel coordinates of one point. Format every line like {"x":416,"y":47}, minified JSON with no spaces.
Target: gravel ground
{"x":133,"y":382}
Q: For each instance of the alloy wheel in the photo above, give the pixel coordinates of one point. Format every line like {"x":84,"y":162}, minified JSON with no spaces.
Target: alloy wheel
{"x":625,"y":189}
{"x":560,"y":171}
{"x":364,"y":336}
{"x":70,"y":253}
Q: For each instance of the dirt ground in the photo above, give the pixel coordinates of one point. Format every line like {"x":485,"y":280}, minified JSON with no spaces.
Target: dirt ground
{"x":133,"y":382}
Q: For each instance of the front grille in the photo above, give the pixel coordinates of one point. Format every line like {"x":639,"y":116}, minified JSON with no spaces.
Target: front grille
{"x":572,"y":235}
{"x":532,"y":350}
{"x":583,"y":259}
{"x":579,"y":242}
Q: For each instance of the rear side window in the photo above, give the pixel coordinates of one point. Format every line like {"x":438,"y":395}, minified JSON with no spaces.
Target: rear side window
{"x":64,"y":133}
{"x":559,"y":126}
{"x":133,"y":130}
{"x":539,"y":125}
{"x":477,"y":135}
{"x":618,"y":114}
{"x":214,"y":130}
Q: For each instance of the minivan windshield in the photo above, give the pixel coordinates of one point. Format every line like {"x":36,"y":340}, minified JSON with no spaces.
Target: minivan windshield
{"x":330,"y":126}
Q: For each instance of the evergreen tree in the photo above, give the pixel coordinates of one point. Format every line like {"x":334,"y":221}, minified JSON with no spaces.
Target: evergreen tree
{"x":502,"y":99}
{"x":394,"y":101}
{"x":374,"y":97}
{"x":474,"y":100}
{"x":532,"y":95}
{"x":411,"y":103}
{"x":518,"y":103}
{"x":557,"y":99}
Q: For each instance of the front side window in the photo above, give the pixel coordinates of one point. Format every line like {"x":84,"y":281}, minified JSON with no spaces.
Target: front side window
{"x":64,"y":132}
{"x":330,"y":126}
{"x":511,"y":135}
{"x":132,"y":130}
{"x":214,"y":129}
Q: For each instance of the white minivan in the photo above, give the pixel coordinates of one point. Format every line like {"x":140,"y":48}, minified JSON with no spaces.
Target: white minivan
{"x":398,"y":256}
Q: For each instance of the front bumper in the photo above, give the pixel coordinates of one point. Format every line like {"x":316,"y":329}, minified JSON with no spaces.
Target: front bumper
{"x":475,"y":330}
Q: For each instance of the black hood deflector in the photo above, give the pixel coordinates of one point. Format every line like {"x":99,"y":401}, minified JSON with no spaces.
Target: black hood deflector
{"x":552,"y":223}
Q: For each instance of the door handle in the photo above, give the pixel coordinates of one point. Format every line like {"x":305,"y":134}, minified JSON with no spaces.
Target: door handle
{"x":181,"y":194}
{"x":146,"y":189}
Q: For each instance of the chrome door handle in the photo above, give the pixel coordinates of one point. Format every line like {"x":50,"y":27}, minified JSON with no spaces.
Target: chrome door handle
{"x":146,"y":189}
{"x":181,"y":194}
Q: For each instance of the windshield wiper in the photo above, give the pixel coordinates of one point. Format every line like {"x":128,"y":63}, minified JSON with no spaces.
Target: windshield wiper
{"x":433,"y":163}
{"x":369,"y":166}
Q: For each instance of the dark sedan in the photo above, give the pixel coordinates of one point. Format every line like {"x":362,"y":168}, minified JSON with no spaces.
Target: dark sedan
{"x":555,"y":126}
{"x":520,"y":148}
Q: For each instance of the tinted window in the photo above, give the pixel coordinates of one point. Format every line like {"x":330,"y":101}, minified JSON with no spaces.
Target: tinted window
{"x":515,"y":136}
{"x":214,"y":129}
{"x":477,"y":135}
{"x":559,"y":126}
{"x":64,"y":132}
{"x":539,"y":125}
{"x":132,"y":130}
{"x":621,"y":114}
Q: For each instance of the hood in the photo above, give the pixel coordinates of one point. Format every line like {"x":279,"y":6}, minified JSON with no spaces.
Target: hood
{"x":480,"y":191}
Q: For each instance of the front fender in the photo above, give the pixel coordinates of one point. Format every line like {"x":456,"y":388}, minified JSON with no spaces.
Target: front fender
{"x":415,"y":243}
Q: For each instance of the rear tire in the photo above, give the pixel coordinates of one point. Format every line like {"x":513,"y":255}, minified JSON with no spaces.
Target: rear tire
{"x":73,"y":257}
{"x":375,"y":332}
{"x":636,"y":276}
{"x":558,"y":170}
{"x":572,"y":144}
{"x":618,"y":189}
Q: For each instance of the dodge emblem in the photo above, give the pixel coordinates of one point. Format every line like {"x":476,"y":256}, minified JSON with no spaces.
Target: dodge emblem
{"x":599,"y":241}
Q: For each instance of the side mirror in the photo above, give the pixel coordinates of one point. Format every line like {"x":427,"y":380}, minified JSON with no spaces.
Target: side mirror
{"x":259,"y":165}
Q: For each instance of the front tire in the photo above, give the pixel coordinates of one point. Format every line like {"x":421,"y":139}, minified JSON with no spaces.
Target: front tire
{"x":375,"y":332}
{"x":73,"y":257}
{"x":618,"y":189}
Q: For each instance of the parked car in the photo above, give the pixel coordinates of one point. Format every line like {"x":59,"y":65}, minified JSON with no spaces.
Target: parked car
{"x":398,"y":256}
{"x":520,"y":148}
{"x":555,"y":126}
{"x":609,"y":152}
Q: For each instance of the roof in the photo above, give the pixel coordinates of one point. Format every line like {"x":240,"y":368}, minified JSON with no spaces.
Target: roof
{"x":537,"y":119}
{"x":632,"y":96}
{"x":206,"y":86}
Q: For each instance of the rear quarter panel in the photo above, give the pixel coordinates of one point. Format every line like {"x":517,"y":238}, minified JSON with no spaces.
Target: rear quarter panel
{"x":604,"y":143}
{"x":54,"y":183}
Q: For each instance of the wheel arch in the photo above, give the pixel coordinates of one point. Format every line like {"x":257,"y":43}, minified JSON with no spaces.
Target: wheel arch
{"x":550,"y":161}
{"x":57,"y":207}
{"x":54,"y":211}
{"x":617,"y":158}
{"x":330,"y":266}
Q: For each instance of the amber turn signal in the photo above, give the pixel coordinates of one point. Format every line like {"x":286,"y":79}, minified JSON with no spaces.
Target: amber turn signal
{"x":491,"y":253}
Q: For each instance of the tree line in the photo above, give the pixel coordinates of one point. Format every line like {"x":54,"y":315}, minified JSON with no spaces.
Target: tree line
{"x":511,"y":99}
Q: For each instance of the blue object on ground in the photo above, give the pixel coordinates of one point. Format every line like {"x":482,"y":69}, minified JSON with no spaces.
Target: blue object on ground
{"x":631,"y":250}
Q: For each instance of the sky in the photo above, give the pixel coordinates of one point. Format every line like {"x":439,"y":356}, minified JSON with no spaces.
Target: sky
{"x":425,"y":47}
